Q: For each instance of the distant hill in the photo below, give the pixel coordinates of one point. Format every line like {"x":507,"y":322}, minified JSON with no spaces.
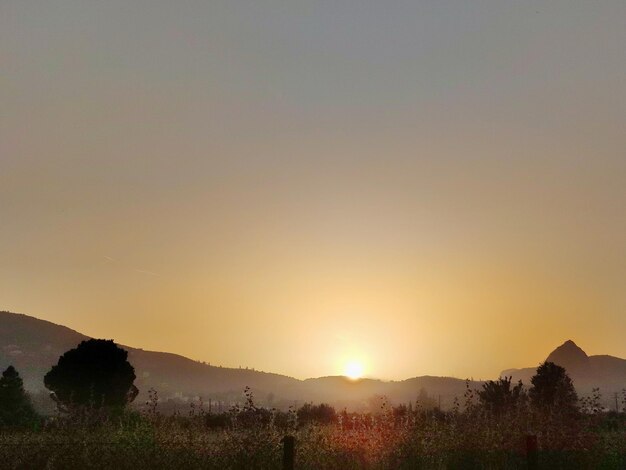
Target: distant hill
{"x":33,"y":346}
{"x":606,"y":372}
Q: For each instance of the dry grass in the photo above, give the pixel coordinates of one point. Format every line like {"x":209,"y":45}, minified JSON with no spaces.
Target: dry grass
{"x":250,"y":438}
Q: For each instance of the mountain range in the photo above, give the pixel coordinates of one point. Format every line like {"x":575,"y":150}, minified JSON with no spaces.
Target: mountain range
{"x":605,"y":372}
{"x":33,"y":346}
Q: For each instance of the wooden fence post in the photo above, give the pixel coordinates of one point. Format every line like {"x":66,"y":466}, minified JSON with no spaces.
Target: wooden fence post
{"x":532,"y":452}
{"x":289,"y":452}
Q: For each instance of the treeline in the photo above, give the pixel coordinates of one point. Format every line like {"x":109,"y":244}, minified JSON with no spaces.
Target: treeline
{"x":96,"y":375}
{"x":487,"y":427}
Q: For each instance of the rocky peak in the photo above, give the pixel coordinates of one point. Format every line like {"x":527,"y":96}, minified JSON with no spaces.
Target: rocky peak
{"x":570,"y":356}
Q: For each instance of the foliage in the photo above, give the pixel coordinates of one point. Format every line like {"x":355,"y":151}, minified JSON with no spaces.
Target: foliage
{"x":499,"y":396}
{"x":316,"y":414}
{"x":592,"y":404}
{"x":15,"y":406}
{"x":394,"y":437}
{"x":94,"y":374}
{"x":552,"y":390}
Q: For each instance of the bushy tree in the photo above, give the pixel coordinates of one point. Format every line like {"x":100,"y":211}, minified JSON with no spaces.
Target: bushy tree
{"x":96,"y":373}
{"x":319,"y":414}
{"x":500,"y":396}
{"x":16,"y":408}
{"x":553,"y":390}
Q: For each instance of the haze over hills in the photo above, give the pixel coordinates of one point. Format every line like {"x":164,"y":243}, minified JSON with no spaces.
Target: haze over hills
{"x":603,"y":371}
{"x":33,"y":346}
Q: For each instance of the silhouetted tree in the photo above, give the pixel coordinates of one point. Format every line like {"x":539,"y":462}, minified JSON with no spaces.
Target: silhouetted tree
{"x":96,"y":373}
{"x":499,"y":396}
{"x":552,"y":390}
{"x":320,"y":414}
{"x":16,"y":408}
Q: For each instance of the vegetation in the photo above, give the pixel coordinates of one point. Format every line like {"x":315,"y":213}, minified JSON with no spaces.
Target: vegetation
{"x":16,"y":408}
{"x":95,"y":374}
{"x":487,"y":429}
{"x":552,"y":390}
{"x":499,"y":397}
{"x":318,"y":414}
{"x":249,"y":437}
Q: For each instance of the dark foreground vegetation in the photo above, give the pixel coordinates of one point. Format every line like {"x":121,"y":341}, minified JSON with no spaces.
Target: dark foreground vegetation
{"x":501,"y":426}
{"x":248,"y":438}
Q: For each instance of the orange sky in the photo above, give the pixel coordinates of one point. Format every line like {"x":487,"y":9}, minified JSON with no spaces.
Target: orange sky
{"x":423,"y":187}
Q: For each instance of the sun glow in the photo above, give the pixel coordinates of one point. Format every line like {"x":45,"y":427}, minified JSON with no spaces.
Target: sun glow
{"x":353,"y":370}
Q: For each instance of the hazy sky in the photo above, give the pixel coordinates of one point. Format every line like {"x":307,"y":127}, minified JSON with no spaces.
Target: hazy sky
{"x":428,"y":187}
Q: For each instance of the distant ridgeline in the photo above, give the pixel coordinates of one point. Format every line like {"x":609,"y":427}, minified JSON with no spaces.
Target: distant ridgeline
{"x":33,"y":346}
{"x":603,"y":371}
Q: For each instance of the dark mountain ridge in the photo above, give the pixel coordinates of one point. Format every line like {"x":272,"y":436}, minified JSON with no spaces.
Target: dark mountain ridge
{"x":33,"y":346}
{"x":603,"y":371}
{"x":570,"y":356}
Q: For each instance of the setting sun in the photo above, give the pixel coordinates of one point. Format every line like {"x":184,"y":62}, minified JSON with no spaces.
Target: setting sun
{"x":353,"y":370}
{"x":323,"y":234}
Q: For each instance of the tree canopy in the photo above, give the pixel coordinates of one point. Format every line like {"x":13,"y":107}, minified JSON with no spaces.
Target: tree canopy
{"x":320,"y":414}
{"x":16,"y":408}
{"x":552,"y":389}
{"x":500,"y":396}
{"x":96,"y":373}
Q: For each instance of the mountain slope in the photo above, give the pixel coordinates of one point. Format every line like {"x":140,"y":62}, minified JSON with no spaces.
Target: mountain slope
{"x":603,"y":371}
{"x":33,"y":346}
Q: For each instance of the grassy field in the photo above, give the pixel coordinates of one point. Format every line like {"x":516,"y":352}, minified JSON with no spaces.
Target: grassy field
{"x":250,"y":438}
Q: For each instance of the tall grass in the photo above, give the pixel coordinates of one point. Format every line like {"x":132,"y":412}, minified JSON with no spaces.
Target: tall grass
{"x":249,"y":437}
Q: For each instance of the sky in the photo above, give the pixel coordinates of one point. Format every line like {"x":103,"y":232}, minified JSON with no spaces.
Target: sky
{"x":414,"y":187}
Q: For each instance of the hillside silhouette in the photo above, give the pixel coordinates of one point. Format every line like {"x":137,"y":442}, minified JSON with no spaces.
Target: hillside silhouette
{"x":33,"y":346}
{"x":603,"y":371}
